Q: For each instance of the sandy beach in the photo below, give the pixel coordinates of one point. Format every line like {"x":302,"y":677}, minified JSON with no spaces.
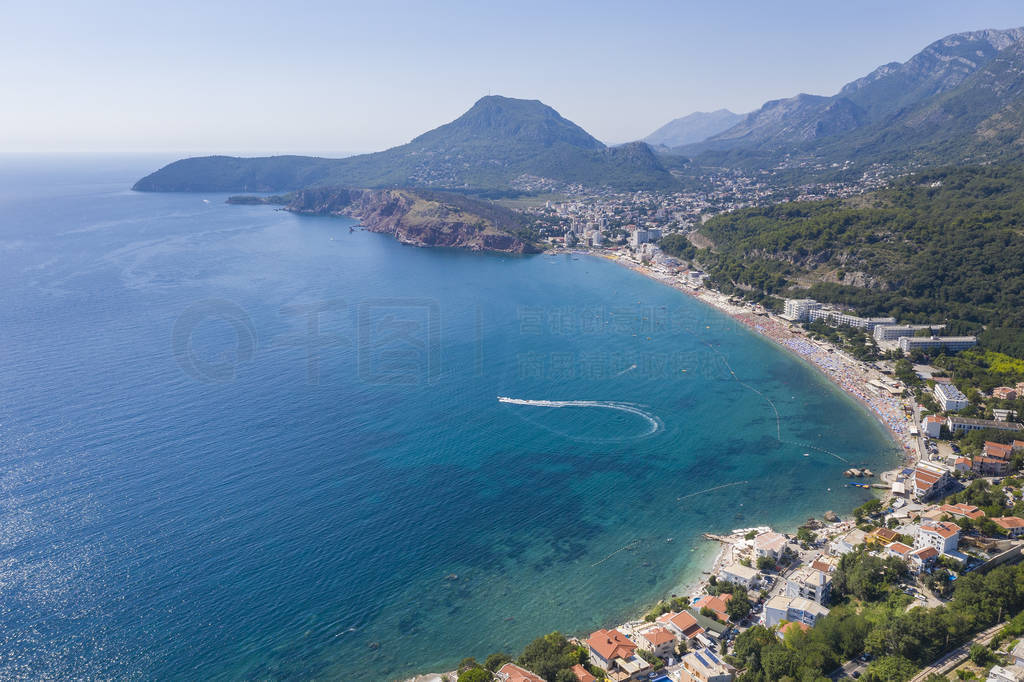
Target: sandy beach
{"x":849,"y":374}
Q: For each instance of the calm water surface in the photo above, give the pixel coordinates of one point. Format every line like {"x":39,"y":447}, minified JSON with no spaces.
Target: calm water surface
{"x":238,"y":443}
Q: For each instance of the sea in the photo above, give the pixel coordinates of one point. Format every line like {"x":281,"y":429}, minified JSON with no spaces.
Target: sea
{"x":238,"y":443}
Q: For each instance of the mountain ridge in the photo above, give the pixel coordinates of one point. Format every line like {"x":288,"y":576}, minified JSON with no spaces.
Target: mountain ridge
{"x":499,"y":143}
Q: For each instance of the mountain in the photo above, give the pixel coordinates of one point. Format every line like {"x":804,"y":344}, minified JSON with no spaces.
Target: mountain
{"x":499,"y":144}
{"x":695,"y":127}
{"x":940,"y":94}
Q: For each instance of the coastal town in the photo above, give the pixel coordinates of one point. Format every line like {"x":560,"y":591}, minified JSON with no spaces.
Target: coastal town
{"x":953,"y":508}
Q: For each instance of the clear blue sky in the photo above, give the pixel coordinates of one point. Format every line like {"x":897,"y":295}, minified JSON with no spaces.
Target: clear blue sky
{"x":321,"y":77}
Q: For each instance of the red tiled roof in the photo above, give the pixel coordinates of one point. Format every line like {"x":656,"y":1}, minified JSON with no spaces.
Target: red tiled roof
{"x":1009,"y":522}
{"x":925,"y":553}
{"x":942,"y":528}
{"x":897,"y":547}
{"x":517,"y":674}
{"x":685,"y":621}
{"x":961,"y":509}
{"x":611,"y":644}
{"x":582,"y":674}
{"x":658,"y":636}
{"x":794,"y":624}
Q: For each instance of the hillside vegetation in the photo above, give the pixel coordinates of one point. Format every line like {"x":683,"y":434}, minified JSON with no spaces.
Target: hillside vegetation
{"x":946,"y":245}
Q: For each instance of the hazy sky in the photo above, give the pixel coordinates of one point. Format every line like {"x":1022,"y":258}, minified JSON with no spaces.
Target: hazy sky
{"x":321,"y":77}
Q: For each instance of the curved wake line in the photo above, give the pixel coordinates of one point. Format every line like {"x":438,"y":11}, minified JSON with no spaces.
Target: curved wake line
{"x":654,"y":423}
{"x":717,"y":487}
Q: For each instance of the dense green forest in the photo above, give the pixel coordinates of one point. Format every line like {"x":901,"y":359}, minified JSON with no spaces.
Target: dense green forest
{"x":944,"y":246}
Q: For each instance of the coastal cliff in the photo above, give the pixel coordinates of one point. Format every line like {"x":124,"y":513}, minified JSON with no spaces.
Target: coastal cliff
{"x":417,"y":217}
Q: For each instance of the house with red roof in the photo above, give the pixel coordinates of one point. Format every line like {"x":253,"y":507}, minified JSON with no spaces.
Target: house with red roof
{"x":942,"y":535}
{"x":660,"y":641}
{"x":612,"y":651}
{"x":922,"y":558}
{"x":510,"y":672}
{"x":717,"y":603}
{"x":1013,"y":525}
{"x":962,"y":510}
{"x":997,"y":450}
{"x":898,"y":549}
{"x":683,"y":624}
{"x":933,"y":425}
{"x":990,"y":466}
{"x":582,"y":674}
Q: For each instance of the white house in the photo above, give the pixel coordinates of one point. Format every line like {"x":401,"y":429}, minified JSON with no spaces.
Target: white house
{"x":739,"y":574}
{"x":942,"y":535}
{"x":933,"y":425}
{"x":809,"y":583}
{"x":660,"y":641}
{"x":796,"y":609}
{"x":770,"y":544}
{"x":845,"y":544}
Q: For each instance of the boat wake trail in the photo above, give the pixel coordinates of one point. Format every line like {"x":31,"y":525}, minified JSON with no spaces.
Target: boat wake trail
{"x":654,"y":424}
{"x":708,"y":490}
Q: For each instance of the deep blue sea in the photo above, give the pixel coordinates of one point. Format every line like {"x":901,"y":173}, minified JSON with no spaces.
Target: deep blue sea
{"x":239,"y":443}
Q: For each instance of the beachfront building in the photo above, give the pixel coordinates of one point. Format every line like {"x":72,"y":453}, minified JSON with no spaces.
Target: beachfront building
{"x":950,"y":398}
{"x":608,"y":647}
{"x":1013,"y":525}
{"x":705,"y":666}
{"x":933,"y":425}
{"x":770,"y":544}
{"x":717,"y":603}
{"x":950,"y":344}
{"x":942,"y":535}
{"x":927,"y":481}
{"x":894,"y":332}
{"x":739,"y":574}
{"x":797,"y":309}
{"x":660,"y":641}
{"x":797,"y":609}
{"x":956,"y":424}
{"x":810,"y":583}
{"x":684,"y":624}
{"x":644,"y":236}
{"x":510,"y":672}
{"x":839,"y":318}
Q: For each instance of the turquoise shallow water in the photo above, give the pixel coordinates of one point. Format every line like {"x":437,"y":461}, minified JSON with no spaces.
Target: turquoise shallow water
{"x":241,"y":443}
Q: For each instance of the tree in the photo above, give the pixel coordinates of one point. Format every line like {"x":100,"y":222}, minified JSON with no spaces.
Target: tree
{"x":549,"y":654}
{"x":496,"y":660}
{"x":475,"y":675}
{"x":738,"y":607}
{"x":981,"y":656}
{"x":765,"y":563}
{"x":805,"y":535}
{"x":890,"y":669}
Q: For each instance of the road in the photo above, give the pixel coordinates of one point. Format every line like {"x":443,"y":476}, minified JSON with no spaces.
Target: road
{"x":958,"y":655}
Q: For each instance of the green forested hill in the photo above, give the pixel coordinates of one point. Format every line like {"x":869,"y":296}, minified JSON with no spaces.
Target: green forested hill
{"x":499,"y":144}
{"x":942,"y":245}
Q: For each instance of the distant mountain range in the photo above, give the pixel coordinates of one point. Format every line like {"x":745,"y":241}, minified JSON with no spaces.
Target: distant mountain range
{"x":960,"y":99}
{"x":499,"y":144}
{"x":696,"y":127}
